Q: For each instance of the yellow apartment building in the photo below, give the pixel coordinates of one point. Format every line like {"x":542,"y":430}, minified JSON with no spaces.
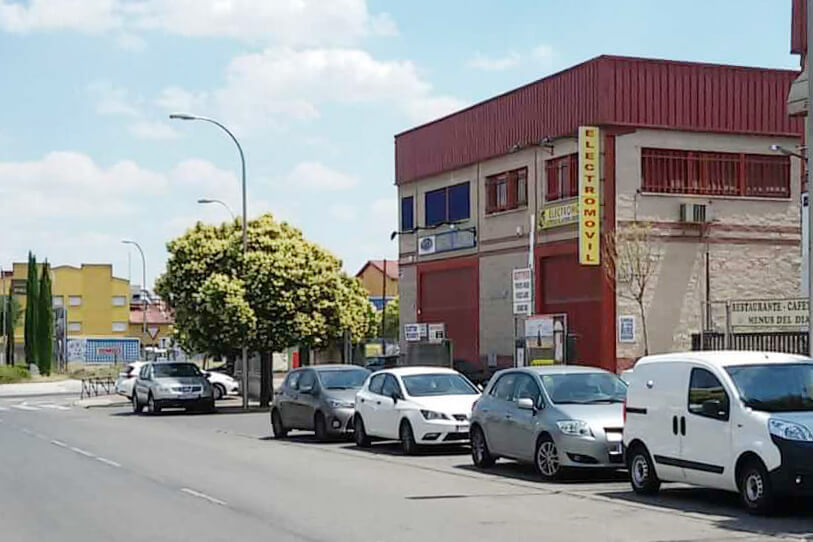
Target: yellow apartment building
{"x":380,"y":279}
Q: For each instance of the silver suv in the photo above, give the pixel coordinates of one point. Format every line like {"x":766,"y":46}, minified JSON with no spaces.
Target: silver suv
{"x":172,"y":385}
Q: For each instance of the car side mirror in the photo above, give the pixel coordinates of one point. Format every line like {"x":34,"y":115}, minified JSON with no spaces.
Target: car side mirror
{"x":713,"y":408}
{"x":306,"y":390}
{"x":395,"y":396}
{"x":526,"y":403}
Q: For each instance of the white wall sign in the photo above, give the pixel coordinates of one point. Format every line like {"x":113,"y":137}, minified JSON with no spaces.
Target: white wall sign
{"x":769,"y":314}
{"x":521,"y":287}
{"x":415,"y":332}
{"x":626,"y":329}
{"x":436,"y":332}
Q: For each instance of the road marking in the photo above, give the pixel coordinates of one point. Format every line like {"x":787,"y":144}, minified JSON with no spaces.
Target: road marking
{"x":82,"y":452}
{"x":27,"y":431}
{"x":3,"y":409}
{"x":55,"y":407}
{"x":24,"y":406}
{"x":108,"y":462}
{"x":204,"y":496}
{"x":59,"y":443}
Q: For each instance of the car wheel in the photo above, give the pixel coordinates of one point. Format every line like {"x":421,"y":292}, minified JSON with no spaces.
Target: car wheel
{"x":137,"y":406}
{"x":408,"y":444}
{"x":320,"y":427}
{"x":152,"y":405}
{"x":280,"y":431}
{"x":547,"y":459}
{"x":359,"y":434}
{"x":756,"y":491}
{"x":643,"y":478}
{"x":480,"y":454}
{"x":218,"y":391}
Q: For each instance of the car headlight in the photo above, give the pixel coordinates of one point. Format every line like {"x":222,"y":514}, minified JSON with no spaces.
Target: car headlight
{"x":576,"y":428}
{"x":335,"y":403}
{"x":789,"y":430}
{"x":432,"y":415}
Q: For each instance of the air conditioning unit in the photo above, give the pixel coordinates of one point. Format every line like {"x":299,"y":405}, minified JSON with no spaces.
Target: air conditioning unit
{"x":426,"y":245}
{"x":694,"y":213}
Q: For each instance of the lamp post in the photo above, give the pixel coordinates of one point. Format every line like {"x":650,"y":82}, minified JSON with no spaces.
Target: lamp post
{"x":143,"y":289}
{"x":186,"y":116}
{"x":221,"y":202}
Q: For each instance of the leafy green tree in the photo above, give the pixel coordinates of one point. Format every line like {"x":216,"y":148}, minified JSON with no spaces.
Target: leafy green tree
{"x":31,"y":310}
{"x":288,"y":291}
{"x":10,"y":313}
{"x":392,"y":326}
{"x":45,"y":323}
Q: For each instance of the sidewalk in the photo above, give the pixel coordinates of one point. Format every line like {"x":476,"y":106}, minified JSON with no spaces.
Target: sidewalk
{"x":32,"y":389}
{"x":102,"y":401}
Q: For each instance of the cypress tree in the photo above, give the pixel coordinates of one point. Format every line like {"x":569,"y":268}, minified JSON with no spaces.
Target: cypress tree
{"x":31,"y":310}
{"x":45,"y":323}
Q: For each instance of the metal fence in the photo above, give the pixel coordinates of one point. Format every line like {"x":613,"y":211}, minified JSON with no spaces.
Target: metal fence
{"x":92,"y":387}
{"x":789,"y":342}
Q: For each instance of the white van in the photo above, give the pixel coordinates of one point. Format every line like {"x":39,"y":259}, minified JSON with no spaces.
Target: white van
{"x":738,"y":421}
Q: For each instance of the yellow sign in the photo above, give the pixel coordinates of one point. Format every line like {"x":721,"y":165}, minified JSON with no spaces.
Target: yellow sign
{"x":589,"y":196}
{"x":559,"y":214}
{"x":542,"y":362}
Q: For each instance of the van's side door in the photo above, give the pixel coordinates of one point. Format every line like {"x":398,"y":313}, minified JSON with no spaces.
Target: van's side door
{"x":705,"y":427}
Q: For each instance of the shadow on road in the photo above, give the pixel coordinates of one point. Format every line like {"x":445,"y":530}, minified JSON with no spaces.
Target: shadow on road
{"x":792,"y":517}
{"x":527,"y":473}
{"x":221,"y":411}
{"x":393,"y":448}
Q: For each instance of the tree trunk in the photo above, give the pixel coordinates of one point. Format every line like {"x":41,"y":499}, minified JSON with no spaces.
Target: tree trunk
{"x":266,"y":378}
{"x":644,"y":329}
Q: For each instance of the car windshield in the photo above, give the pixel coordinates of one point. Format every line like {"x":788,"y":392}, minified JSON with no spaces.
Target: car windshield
{"x":175,"y":370}
{"x":775,"y":388}
{"x":585,"y":388}
{"x":350,"y":379}
{"x":438,"y":384}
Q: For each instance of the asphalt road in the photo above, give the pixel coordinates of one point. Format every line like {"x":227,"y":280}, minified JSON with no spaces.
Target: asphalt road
{"x":72,"y":474}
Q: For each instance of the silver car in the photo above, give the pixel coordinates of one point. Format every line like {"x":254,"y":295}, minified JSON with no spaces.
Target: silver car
{"x":554,"y":417}
{"x":319,"y":399}
{"x":172,"y":385}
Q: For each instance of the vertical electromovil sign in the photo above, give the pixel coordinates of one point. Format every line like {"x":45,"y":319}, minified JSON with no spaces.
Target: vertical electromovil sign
{"x":589,"y":196}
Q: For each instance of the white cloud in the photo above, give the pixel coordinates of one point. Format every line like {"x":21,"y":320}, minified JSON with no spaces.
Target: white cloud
{"x":131,"y":42}
{"x":486,"y":63}
{"x":144,"y":129}
{"x":544,"y":52}
{"x":290,"y":22}
{"x":317,"y":176}
{"x":343,"y":212}
{"x":180,"y":100}
{"x":112,"y":100}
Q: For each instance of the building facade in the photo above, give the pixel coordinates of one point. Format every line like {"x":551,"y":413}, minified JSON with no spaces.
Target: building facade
{"x":493,"y":187}
{"x":380,"y":279}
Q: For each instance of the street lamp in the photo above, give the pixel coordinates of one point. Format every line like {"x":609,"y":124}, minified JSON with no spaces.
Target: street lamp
{"x":143,"y":288}
{"x":223,"y":203}
{"x":186,"y":116}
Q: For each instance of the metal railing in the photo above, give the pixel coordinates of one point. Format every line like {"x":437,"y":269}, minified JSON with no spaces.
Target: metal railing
{"x":93,"y":387}
{"x":788,"y":342}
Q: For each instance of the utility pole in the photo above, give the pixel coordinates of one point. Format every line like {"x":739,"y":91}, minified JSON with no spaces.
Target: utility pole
{"x":4,"y":316}
{"x":384,"y":310}
{"x":809,"y":149}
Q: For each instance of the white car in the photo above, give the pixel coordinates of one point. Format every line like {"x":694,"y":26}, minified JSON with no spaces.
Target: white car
{"x":222,"y":384}
{"x":126,"y":379}
{"x":416,"y":405}
{"x":736,"y":421}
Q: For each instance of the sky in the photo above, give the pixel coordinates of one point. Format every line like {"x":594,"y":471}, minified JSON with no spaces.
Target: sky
{"x":315,"y":90}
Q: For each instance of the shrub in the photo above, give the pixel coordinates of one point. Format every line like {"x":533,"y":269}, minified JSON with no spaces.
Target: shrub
{"x":13,"y":373}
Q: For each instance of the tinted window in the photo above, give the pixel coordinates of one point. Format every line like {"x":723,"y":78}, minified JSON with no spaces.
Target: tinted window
{"x":376,"y":384}
{"x":407,"y":214}
{"x":308,"y":380}
{"x":435,"y":207}
{"x":175,"y":370}
{"x":585,"y":388}
{"x":293,"y":380}
{"x":527,"y":388}
{"x":350,"y":379}
{"x":390,"y":386}
{"x":775,"y":388}
{"x":704,"y":387}
{"x":459,"y":202}
{"x":438,"y":384}
{"x":504,"y":388}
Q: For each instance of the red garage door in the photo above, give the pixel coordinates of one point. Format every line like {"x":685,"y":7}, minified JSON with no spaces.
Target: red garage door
{"x":448,"y":293}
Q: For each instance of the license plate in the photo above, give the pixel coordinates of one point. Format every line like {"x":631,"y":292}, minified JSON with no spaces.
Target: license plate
{"x":189,"y":396}
{"x":462,"y":429}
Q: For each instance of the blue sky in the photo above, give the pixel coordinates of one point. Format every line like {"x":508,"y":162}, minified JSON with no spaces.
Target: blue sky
{"x":315,"y":90}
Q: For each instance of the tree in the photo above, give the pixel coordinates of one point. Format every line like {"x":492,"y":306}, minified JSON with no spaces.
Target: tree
{"x":392,"y":326}
{"x":45,"y":323}
{"x":10,"y":314}
{"x":288,"y":291}
{"x":629,"y":259}
{"x":31,"y":310}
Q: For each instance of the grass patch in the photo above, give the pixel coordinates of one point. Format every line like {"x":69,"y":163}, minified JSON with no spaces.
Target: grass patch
{"x":13,"y":373}
{"x":95,"y":371}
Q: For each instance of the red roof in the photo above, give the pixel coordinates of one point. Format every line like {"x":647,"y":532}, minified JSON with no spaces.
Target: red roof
{"x":155,"y":315}
{"x":392,"y":267}
{"x":605,"y":91}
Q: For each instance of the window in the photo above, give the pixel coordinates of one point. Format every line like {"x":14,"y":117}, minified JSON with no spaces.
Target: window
{"x":293,"y":380}
{"x":562,"y":176}
{"x":584,"y":388}
{"x":74,"y":300}
{"x":175,"y":370}
{"x":390,"y":386}
{"x":448,"y":204}
{"x":119,"y":300}
{"x":506,"y":191}
{"x":715,"y":173}
{"x":118,"y":327}
{"x":504,"y":388}
{"x":142,"y":374}
{"x":527,"y":388}
{"x":58,"y":301}
{"x":75,"y":327}
{"x":426,"y":385}
{"x":407,"y":213}
{"x":376,"y":383}
{"x":349,"y":379}
{"x":308,"y":380}
{"x":707,"y":397}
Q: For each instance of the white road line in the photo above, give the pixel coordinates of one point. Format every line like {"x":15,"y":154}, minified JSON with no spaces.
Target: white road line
{"x":108,"y":462}
{"x":24,"y":406}
{"x":204,"y":496}
{"x":59,"y":443}
{"x":3,"y":409}
{"x":82,"y":452}
{"x":27,"y":431}
{"x":55,"y":407}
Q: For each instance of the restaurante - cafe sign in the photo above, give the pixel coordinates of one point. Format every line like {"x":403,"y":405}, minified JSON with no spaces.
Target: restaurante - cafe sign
{"x":769,"y":314}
